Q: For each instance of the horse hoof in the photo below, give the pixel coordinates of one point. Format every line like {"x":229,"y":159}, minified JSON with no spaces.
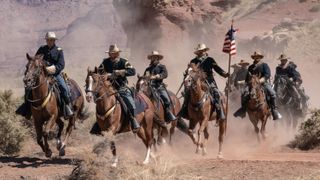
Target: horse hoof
{"x":59,"y":145}
{"x":204,"y":153}
{"x":114,"y":165}
{"x":220,"y":156}
{"x":145,"y":162}
{"x":62,"y":151}
{"x":48,"y":153}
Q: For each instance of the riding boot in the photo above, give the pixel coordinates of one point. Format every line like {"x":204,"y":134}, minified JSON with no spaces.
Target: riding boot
{"x":275,"y":113}
{"x":183,"y":111}
{"x":68,"y":109}
{"x":220,"y":114}
{"x":169,"y":115}
{"x":243,"y":110}
{"x":96,"y":130}
{"x":135,"y":126}
{"x":24,"y":110}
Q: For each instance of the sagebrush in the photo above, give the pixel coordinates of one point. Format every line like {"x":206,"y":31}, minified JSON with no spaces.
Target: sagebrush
{"x":12,"y":132}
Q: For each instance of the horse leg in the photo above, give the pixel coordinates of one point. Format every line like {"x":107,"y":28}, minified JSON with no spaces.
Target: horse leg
{"x":263,"y":127}
{"x":142,"y":134}
{"x":47,"y":129}
{"x":60,"y":129}
{"x":200,"y":132}
{"x":172,"y":130}
{"x":192,"y":125}
{"x":222,"y":128}
{"x":206,"y":137}
{"x":254,"y":122}
{"x":114,"y":154}
{"x":68,"y":133}
{"x":39,"y":132}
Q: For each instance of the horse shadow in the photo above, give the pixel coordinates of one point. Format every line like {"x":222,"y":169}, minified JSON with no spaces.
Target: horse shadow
{"x":24,"y":162}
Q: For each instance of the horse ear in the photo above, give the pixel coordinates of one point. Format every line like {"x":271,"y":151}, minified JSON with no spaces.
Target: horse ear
{"x":89,"y":70}
{"x":95,"y":69}
{"x":138,"y":76}
{"x":29,"y":58}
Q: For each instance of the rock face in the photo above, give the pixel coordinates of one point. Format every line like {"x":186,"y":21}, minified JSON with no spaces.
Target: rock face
{"x":172,"y":26}
{"x":84,"y":27}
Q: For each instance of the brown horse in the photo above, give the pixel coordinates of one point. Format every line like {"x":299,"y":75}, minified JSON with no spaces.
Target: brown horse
{"x":201,"y":110}
{"x":44,"y":105}
{"x":258,"y":109}
{"x":110,"y":115}
{"x":143,"y":85}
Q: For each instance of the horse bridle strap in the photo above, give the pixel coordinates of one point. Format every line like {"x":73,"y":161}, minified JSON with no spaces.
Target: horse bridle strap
{"x":45,"y":102}
{"x":108,"y":113}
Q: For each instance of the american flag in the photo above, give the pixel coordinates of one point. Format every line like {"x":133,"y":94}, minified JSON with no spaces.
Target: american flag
{"x":229,"y":45}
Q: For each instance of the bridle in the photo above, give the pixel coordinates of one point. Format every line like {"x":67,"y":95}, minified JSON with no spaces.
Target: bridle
{"x":101,"y":84}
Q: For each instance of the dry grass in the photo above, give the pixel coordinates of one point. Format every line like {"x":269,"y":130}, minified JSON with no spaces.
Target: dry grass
{"x":12,"y":132}
{"x":309,"y":135}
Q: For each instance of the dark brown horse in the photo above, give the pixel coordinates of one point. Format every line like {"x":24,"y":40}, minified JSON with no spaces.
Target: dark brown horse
{"x":258,"y":109}
{"x":109,"y":113}
{"x":143,"y":85}
{"x":44,"y":105}
{"x":201,"y":110}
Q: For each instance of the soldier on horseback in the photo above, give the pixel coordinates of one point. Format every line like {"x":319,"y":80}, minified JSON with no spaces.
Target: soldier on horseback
{"x":53,"y":56}
{"x":206,"y":63}
{"x":241,"y":74}
{"x":119,"y":69}
{"x":157,"y":72}
{"x":288,"y":69}
{"x":261,"y":69}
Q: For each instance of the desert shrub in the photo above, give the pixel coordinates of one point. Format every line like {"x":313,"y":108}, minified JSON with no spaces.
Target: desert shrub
{"x":315,"y":8}
{"x":12,"y":133}
{"x":309,"y":133}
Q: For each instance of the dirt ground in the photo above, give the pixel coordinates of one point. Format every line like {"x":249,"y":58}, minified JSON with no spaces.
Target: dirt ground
{"x":244,"y":158}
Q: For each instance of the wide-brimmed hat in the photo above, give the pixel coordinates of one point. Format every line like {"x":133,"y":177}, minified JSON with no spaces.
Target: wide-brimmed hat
{"x":257,"y":55}
{"x":201,"y":47}
{"x":51,"y":35}
{"x":243,"y":63}
{"x":283,"y":57}
{"x":155,"y":53}
{"x":113,"y":49}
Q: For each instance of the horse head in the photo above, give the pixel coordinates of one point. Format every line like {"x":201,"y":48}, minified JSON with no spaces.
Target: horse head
{"x":254,"y":86}
{"x":35,"y":71}
{"x":143,"y":84}
{"x":96,"y":84}
{"x":195,"y":77}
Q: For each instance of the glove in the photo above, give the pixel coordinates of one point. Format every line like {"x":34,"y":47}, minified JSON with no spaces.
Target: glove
{"x":155,"y":77}
{"x":241,"y":82}
{"x":51,"y":69}
{"x":262,"y":80}
{"x":120,"y":72}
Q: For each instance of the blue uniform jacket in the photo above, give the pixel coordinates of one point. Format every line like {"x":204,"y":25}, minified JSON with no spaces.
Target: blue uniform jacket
{"x":261,"y":69}
{"x":53,"y":56}
{"x":159,"y":69}
{"x":121,"y":64}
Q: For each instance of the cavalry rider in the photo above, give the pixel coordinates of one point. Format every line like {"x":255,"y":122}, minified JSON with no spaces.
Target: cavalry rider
{"x":119,"y":68}
{"x":241,"y":74}
{"x":261,"y":69}
{"x":157,"y":72}
{"x":288,"y":69}
{"x":53,"y":55}
{"x":206,"y":63}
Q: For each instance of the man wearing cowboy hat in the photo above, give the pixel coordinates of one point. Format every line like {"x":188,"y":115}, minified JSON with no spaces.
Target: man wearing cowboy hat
{"x":288,"y":69}
{"x":263,"y":71}
{"x":53,"y":55}
{"x":241,"y":74}
{"x":120,"y":68}
{"x":157,"y":73}
{"x":207,"y":64}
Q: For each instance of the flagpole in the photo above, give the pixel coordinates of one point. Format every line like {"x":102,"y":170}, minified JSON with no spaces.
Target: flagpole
{"x":228,"y":83}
